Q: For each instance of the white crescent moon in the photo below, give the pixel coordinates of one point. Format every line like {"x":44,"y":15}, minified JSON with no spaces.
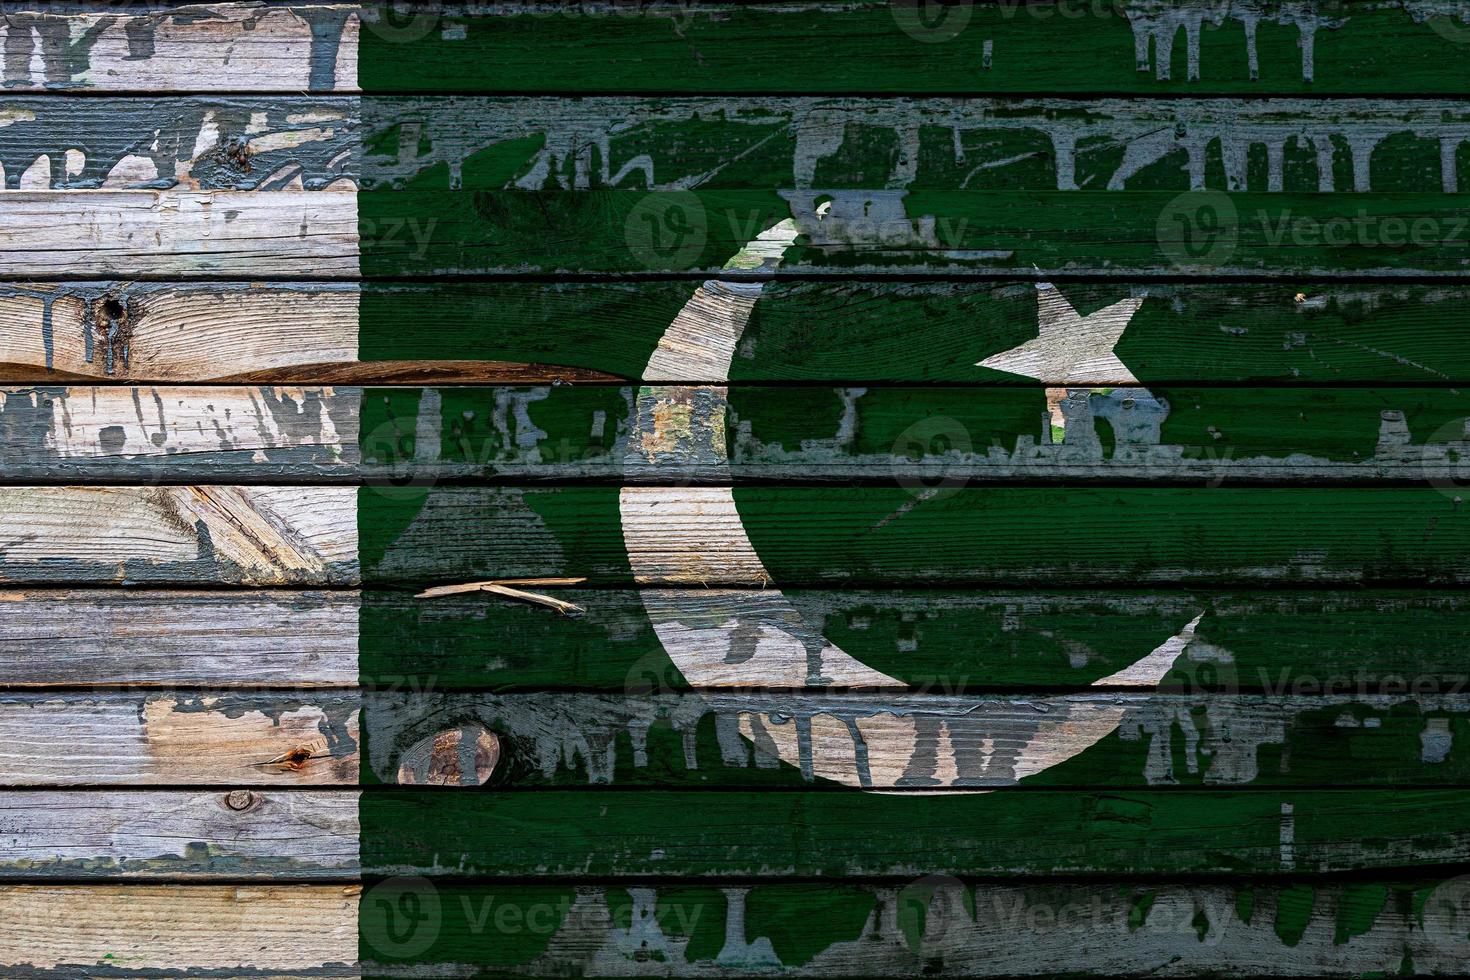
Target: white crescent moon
{"x":755,"y":637}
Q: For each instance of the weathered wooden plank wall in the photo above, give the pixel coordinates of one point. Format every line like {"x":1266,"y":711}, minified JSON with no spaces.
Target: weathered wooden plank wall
{"x":1006,"y":516}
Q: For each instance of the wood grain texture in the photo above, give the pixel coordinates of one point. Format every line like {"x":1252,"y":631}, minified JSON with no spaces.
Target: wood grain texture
{"x":1300,"y":643}
{"x":179,"y":535}
{"x":197,"y":143}
{"x":74,"y":931}
{"x":926,"y":926}
{"x":1135,"y":47}
{"x":1243,"y":333}
{"x":931,"y":741}
{"x":923,"y":437}
{"x":154,"y":47}
{"x":801,"y":148}
{"x":704,"y":47}
{"x":176,"y":332}
{"x":178,"y":639}
{"x":572,"y":834}
{"x":117,"y":834}
{"x":143,"y":234}
{"x":179,"y":738}
{"x":815,"y":536}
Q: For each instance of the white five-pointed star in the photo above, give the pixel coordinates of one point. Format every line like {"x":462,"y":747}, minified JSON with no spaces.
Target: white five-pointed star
{"x":1070,"y":349}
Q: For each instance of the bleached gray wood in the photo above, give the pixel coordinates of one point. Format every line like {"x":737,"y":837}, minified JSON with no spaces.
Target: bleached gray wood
{"x":179,"y":738}
{"x":179,"y":833}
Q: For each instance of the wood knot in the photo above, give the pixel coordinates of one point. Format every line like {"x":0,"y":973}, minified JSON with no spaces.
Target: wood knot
{"x":240,"y":800}
{"x":464,"y":756}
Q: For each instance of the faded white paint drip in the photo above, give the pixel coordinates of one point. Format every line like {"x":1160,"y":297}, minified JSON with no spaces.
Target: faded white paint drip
{"x":1288,"y":837}
{"x":130,"y":172}
{"x":37,"y":177}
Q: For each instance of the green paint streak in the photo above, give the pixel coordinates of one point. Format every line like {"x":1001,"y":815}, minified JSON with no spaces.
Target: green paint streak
{"x":1294,"y":912}
{"x":423,"y":922}
{"x":657,"y":833}
{"x":1245,"y":904}
{"x":869,"y":47}
{"x":803,"y":920}
{"x":1139,"y":908}
{"x":1358,"y":907}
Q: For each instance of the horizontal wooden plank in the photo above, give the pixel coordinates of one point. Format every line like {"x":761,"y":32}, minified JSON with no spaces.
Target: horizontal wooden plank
{"x":826,"y":47}
{"x":943,"y":642}
{"x":746,"y":536}
{"x":179,"y":738}
{"x":74,"y":931}
{"x":573,"y":834}
{"x":289,"y":834}
{"x":402,"y":233}
{"x":179,"y":639}
{"x":923,"y":741}
{"x":160,"y":47}
{"x":924,"y":927}
{"x":921,"y":436}
{"x":198,"y":143}
{"x":474,"y":332}
{"x":178,"y":233}
{"x":939,"y":641}
{"x":1352,"y":47}
{"x":1306,"y":928}
{"x":837,"y":536}
{"x":799,"y":148}
{"x":1101,"y":233}
{"x":125,"y":535}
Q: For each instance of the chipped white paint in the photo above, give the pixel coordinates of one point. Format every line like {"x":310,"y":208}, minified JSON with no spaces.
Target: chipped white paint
{"x":690,"y":536}
{"x":94,"y":423}
{"x":238,"y":47}
{"x":130,"y":172}
{"x":138,"y":233}
{"x":1070,"y":348}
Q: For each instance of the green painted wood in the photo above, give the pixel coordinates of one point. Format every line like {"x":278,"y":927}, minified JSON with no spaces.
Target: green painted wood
{"x":896,"y":535}
{"x":917,"y":436}
{"x":802,"y":144}
{"x":919,"y":927}
{"x":1134,"y":47}
{"x":728,"y":739}
{"x":940,"y":641}
{"x":864,"y":331}
{"x":572,"y":834}
{"x":1096,"y":232}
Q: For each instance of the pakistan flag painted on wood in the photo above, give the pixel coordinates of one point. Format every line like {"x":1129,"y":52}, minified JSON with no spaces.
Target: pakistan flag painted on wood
{"x":895,"y":671}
